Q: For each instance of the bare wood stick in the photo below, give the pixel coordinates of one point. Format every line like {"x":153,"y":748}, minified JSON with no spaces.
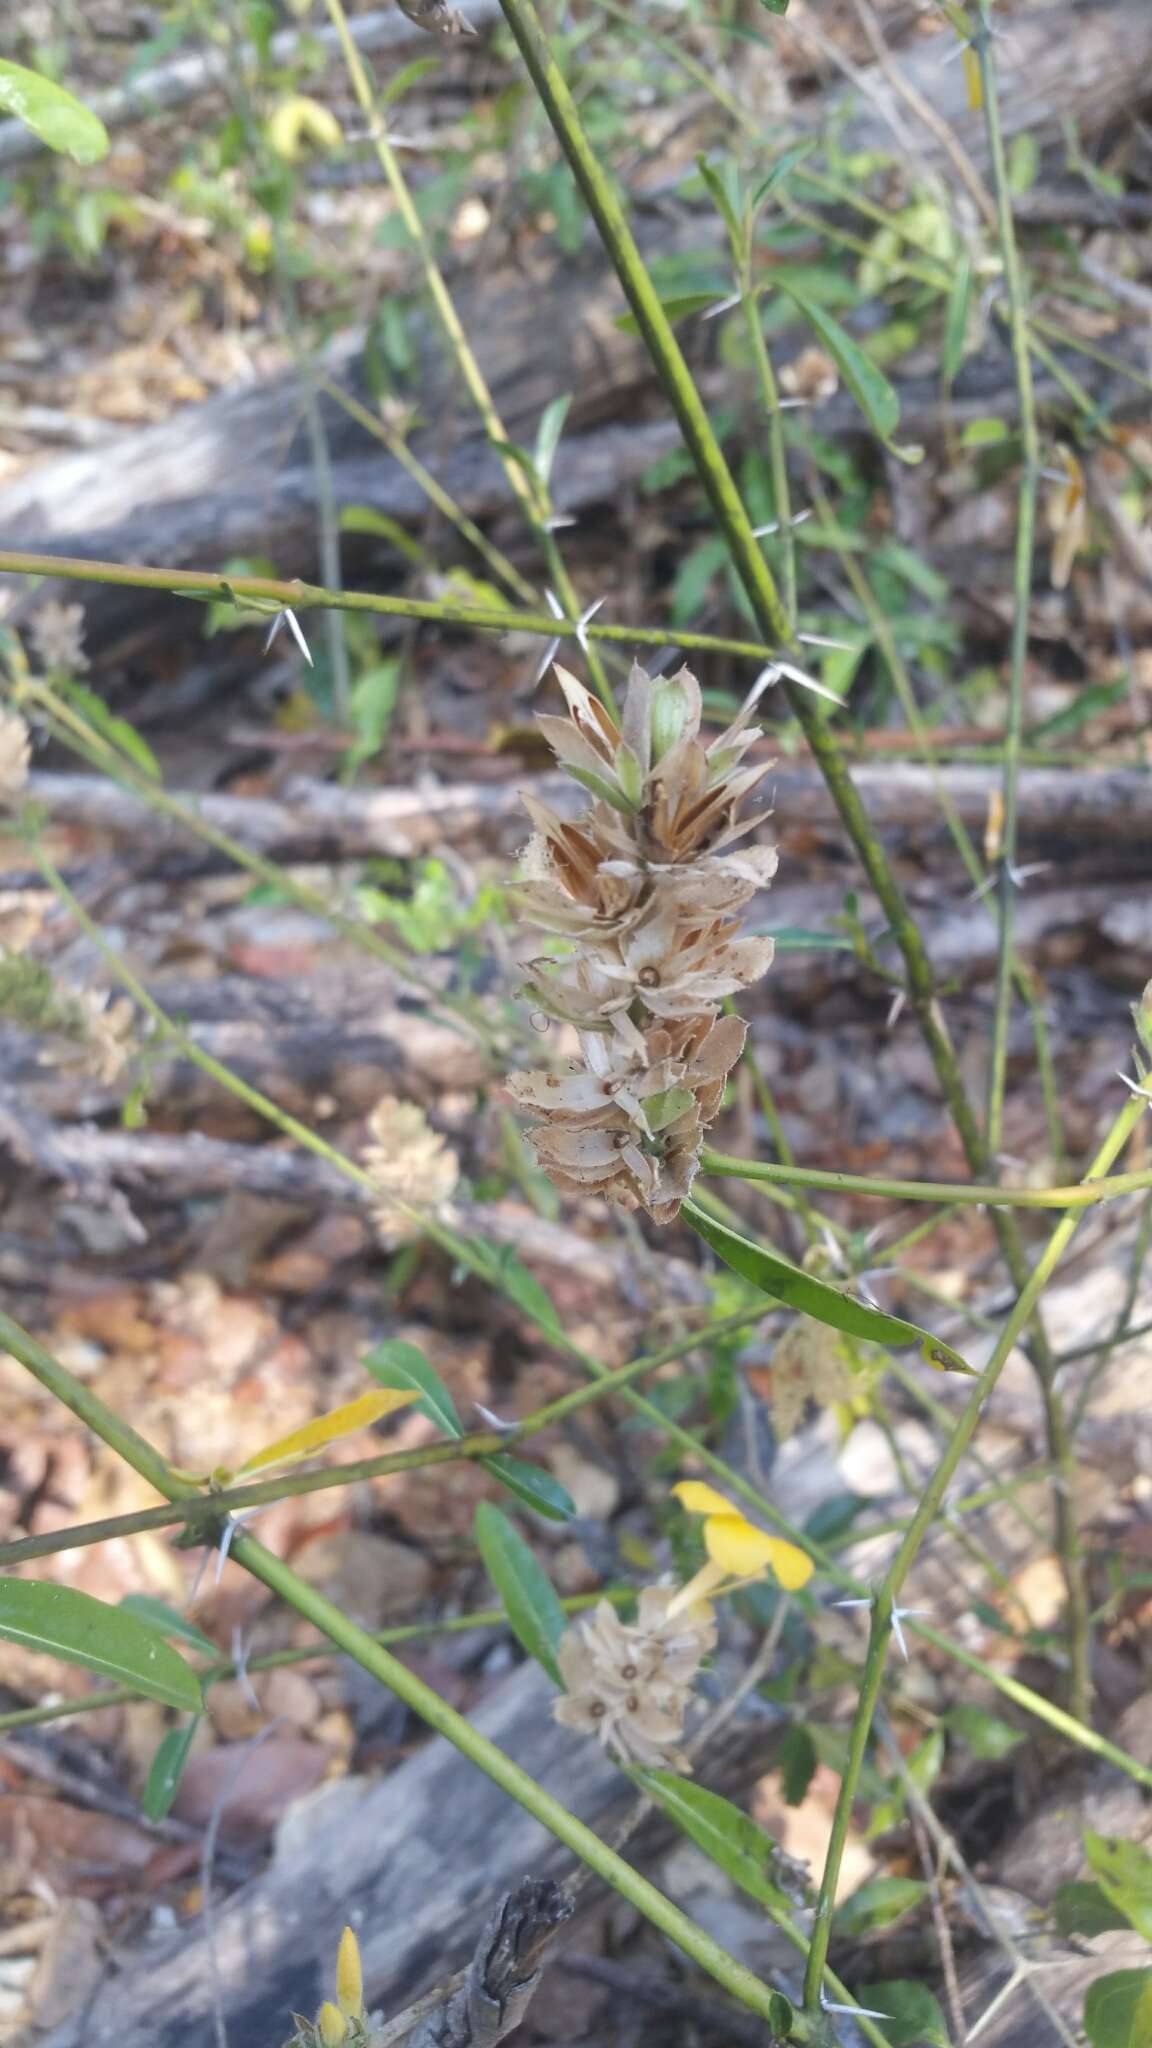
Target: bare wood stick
{"x":504,"y":1971}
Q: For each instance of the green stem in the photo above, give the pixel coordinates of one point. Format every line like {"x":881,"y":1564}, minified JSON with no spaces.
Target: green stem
{"x":777,"y":454}
{"x":885,"y":1598}
{"x":1079,"y":1196}
{"x":266,"y":593}
{"x":1060,"y":1443}
{"x":433,"y":490}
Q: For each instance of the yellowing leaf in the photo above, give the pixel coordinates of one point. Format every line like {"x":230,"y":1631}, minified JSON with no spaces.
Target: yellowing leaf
{"x":345,"y":1421}
{"x":699,"y":1499}
{"x":746,"y":1552}
{"x":974,"y":78}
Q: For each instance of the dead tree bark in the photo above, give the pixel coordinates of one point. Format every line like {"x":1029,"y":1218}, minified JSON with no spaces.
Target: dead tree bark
{"x":420,"y":1854}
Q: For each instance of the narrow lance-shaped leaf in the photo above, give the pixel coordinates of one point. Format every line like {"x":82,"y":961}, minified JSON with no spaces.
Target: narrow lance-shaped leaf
{"x":548,"y":436}
{"x":65,"y":1623}
{"x":533,"y":1486}
{"x":53,"y":114}
{"x":401,"y":1366}
{"x":167,"y":1621}
{"x":534,"y":1613}
{"x":167,"y":1768}
{"x":729,"y":1837}
{"x":869,"y":386}
{"x":956,"y":320}
{"x":818,"y":1298}
{"x":327,"y":1429}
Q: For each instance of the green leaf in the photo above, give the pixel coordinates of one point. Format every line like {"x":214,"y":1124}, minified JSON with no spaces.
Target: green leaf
{"x":1086,"y":1909}
{"x":168,"y":1621}
{"x":167,"y":1768}
{"x":868,"y":385}
{"x":534,"y":1613}
{"x":781,"y":2011}
{"x":723,"y":183}
{"x":1118,"y":2010}
{"x":117,"y":730}
{"x":914,"y":2018}
{"x":502,"y":1268}
{"x":785,"y":162}
{"x":373,"y":700}
{"x":532,"y":1485}
{"x":1085,"y":705}
{"x":397,"y":1364}
{"x":409,"y":75}
{"x":362,"y":519}
{"x":798,"y":1762}
{"x":833,"y":1306}
{"x":776,"y":7}
{"x":51,"y":113}
{"x":678,"y":306}
{"x":984,"y":433}
{"x":878,"y":1903}
{"x":733,"y":1841}
{"x":923,"y":1766}
{"x":794,"y":939}
{"x":548,"y":435}
{"x":1125,"y":1873}
{"x":985,"y":1734}
{"x":69,"y":1624}
{"x":956,"y":320}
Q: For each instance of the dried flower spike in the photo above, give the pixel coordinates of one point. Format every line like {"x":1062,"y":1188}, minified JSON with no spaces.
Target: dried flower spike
{"x":15,"y":754}
{"x":646,"y":890}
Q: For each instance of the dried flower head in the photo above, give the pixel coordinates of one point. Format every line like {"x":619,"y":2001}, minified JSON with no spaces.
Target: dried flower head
{"x":409,"y":1162}
{"x":646,"y":889}
{"x":57,"y":636}
{"x":630,"y":1683}
{"x":88,"y":1030}
{"x":809,"y":1363}
{"x":15,"y":754}
{"x":811,"y":375}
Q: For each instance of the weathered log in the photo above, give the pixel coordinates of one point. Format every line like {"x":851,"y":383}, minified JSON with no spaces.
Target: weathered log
{"x":418,"y":1855}
{"x":1061,"y":811}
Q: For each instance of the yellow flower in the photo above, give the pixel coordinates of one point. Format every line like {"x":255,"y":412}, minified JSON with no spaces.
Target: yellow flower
{"x":296,"y":121}
{"x":738,"y":1552}
{"x":349,"y":1976}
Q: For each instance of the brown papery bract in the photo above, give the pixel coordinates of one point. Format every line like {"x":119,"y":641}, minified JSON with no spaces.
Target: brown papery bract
{"x":646,"y":888}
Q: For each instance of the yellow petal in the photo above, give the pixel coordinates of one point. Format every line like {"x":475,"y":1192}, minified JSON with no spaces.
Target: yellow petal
{"x":343,"y":1421}
{"x":349,"y":1977}
{"x":746,"y":1552}
{"x":699,"y":1499}
{"x":331,"y":2025}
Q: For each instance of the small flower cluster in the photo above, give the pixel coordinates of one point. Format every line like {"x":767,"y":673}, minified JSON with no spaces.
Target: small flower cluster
{"x":15,"y":754}
{"x":87,"y":1029}
{"x":630,"y":1683}
{"x":645,"y":889}
{"x":409,"y":1162}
